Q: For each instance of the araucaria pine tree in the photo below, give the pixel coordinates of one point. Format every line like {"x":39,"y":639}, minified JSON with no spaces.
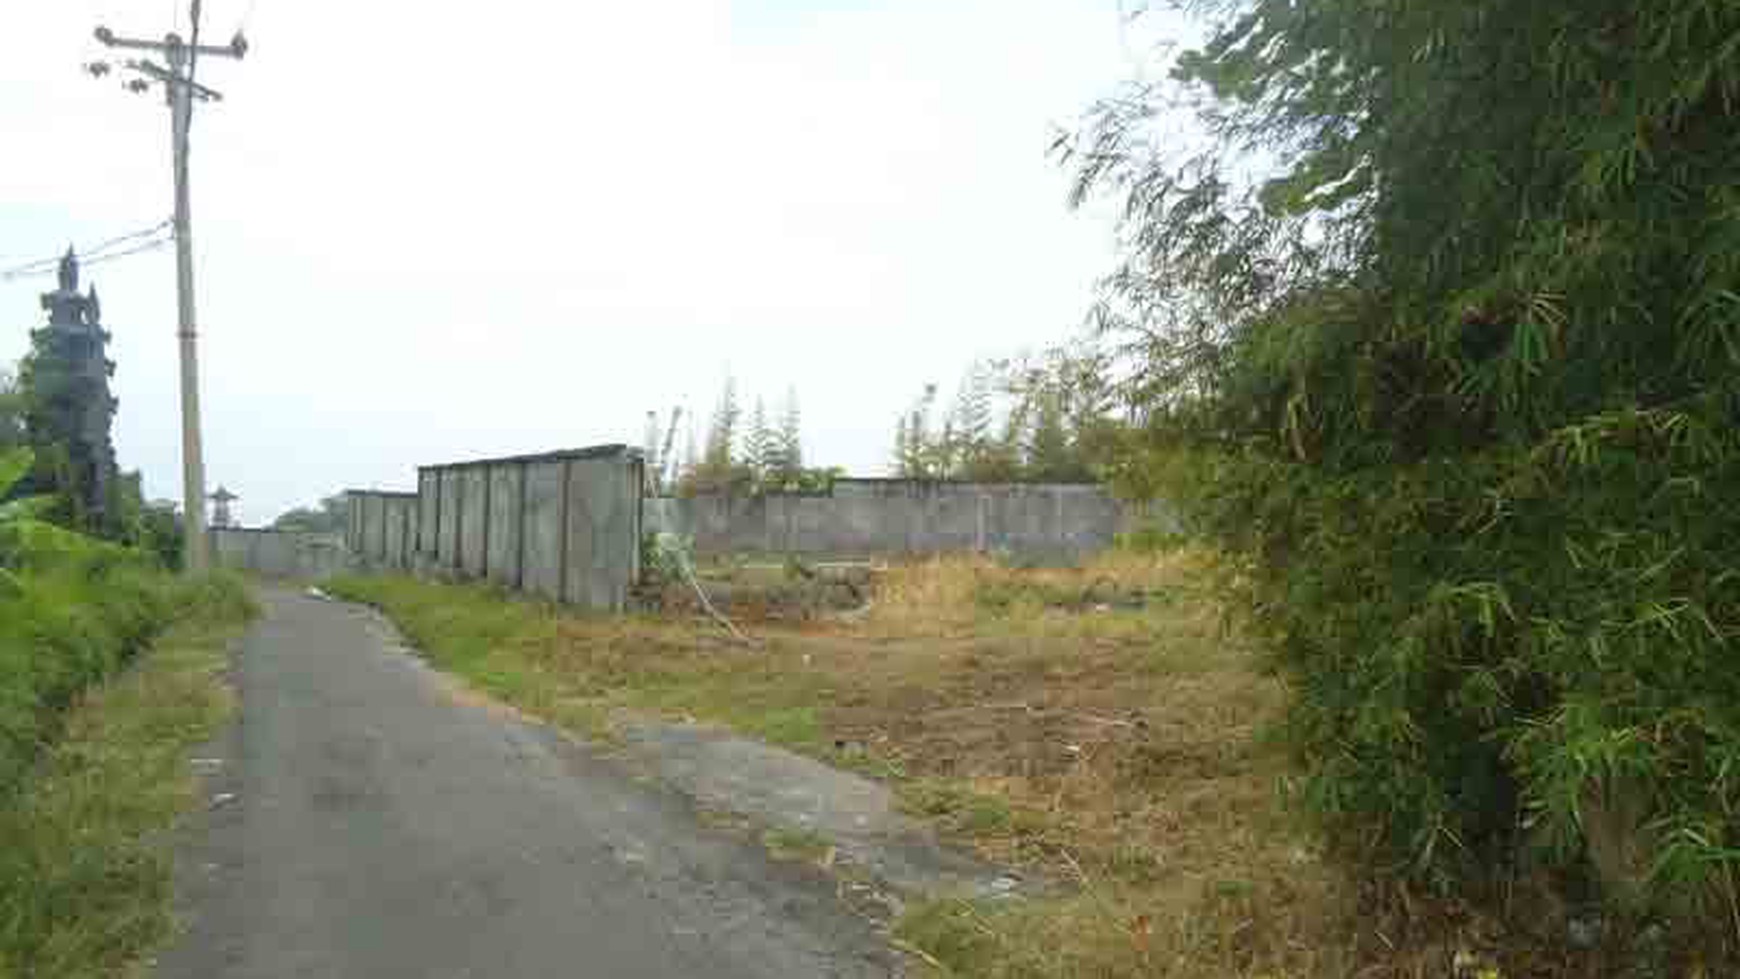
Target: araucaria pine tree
{"x":759,"y":447}
{"x":970,"y":422}
{"x":790,"y":463}
{"x":719,"y":461}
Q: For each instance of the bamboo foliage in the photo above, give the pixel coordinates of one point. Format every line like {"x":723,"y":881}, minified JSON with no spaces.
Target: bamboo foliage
{"x":1456,"y":358}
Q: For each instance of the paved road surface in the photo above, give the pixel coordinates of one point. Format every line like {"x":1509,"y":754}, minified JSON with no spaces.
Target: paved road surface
{"x":380,"y":828}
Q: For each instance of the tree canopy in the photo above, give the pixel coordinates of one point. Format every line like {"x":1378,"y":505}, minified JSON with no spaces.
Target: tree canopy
{"x":330,"y":516}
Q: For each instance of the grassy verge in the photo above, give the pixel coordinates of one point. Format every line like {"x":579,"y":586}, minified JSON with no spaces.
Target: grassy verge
{"x":1102,"y":725}
{"x":85,"y":873}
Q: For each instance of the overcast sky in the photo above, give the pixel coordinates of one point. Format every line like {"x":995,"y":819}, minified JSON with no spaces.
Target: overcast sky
{"x":434,"y":231}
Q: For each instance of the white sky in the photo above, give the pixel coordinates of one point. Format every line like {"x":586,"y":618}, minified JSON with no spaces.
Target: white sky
{"x":433,"y":231}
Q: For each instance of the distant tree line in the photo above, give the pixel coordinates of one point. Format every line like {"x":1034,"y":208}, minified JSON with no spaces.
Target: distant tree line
{"x":1047,"y":418}
{"x":329,"y":516}
{"x":1055,"y":416}
{"x":753,"y":455}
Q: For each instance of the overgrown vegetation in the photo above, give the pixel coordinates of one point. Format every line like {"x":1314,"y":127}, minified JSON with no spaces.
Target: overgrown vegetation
{"x":1443,"y":331}
{"x":1111,"y":746}
{"x":84,"y":777}
{"x":72,"y":610}
{"x":85,"y":873}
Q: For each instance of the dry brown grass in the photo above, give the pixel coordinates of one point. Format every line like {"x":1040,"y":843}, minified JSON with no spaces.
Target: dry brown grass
{"x":1042,"y":716}
{"x":1101,"y":727}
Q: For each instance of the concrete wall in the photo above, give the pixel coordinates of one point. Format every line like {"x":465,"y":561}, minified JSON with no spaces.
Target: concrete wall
{"x":565,"y":525}
{"x":544,"y":516}
{"x":279,"y":554}
{"x":604,"y":515}
{"x":473,"y":520}
{"x":502,"y":554}
{"x":382,"y":528}
{"x":878,"y":516}
{"x":447,"y":514}
{"x":423,"y":542}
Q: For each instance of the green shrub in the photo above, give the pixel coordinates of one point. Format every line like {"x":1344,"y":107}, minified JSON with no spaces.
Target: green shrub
{"x":1459,"y":368}
{"x":72,"y":610}
{"x":63,"y":630}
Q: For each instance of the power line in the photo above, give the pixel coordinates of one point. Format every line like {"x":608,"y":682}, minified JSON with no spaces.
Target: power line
{"x":99,"y":247}
{"x":152,"y":245}
{"x":89,"y":256}
{"x":148,"y":246}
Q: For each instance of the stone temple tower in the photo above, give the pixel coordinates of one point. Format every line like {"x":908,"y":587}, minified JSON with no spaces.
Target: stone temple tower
{"x":72,"y":411}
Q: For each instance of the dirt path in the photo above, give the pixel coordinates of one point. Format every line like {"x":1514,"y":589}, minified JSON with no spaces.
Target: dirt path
{"x":366,"y":825}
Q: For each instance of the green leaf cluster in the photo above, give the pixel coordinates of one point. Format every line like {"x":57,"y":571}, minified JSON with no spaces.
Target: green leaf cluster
{"x":1443,"y":329}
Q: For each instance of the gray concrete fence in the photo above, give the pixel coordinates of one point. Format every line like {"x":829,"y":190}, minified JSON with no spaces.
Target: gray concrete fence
{"x":381,"y":529}
{"x":568,"y":525}
{"x":278,"y":554}
{"x":895,"y":516}
{"x":564,"y":525}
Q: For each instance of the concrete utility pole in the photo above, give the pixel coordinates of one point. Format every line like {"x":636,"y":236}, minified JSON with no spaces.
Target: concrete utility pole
{"x":180,"y":90}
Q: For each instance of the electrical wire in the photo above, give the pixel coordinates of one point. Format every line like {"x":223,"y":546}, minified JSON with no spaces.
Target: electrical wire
{"x":93,"y":257}
{"x":139,"y":249}
{"x":91,"y":252}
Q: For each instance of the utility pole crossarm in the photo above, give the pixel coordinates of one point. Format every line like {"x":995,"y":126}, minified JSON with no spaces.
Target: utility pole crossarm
{"x":237,"y":48}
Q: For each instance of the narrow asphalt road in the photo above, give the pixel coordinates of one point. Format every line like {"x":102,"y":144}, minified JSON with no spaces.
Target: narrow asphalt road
{"x":365,"y":822}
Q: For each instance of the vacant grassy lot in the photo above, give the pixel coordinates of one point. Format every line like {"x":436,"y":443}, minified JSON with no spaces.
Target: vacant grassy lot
{"x":84,"y":864}
{"x":1102,"y":725}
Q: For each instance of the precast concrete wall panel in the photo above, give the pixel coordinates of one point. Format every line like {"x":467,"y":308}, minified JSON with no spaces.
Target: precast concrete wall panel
{"x":447,"y":535}
{"x":393,"y":537}
{"x":955,"y":524}
{"x":374,"y":541}
{"x":428,"y":498}
{"x":544,"y":529}
{"x":603,"y":515}
{"x":412,"y":510}
{"x":504,"y":523}
{"x":473,"y":519}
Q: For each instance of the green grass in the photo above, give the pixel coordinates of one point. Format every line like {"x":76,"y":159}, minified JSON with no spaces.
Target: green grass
{"x":804,"y":845}
{"x":85,"y":872}
{"x":958,"y":807}
{"x":577,"y":670}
